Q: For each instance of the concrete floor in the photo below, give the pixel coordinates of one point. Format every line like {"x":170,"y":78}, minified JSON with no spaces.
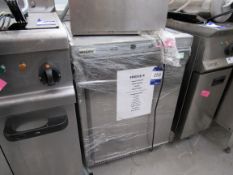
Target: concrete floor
{"x":199,"y":155}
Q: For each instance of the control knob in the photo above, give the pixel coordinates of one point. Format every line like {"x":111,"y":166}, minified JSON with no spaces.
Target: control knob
{"x":49,"y":74}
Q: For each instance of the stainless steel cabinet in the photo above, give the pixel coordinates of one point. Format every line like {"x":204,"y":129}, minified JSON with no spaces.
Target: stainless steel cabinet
{"x":168,"y":101}
{"x":42,"y":142}
{"x":117,"y":17}
{"x":97,"y":62}
{"x":204,"y":95}
{"x":39,"y":133}
{"x":205,"y":78}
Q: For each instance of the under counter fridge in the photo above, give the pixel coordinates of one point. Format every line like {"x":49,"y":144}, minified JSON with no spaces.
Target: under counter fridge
{"x":118,"y":81}
{"x":117,"y":94}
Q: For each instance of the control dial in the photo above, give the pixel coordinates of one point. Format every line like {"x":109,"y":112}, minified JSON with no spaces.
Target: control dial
{"x":49,"y":74}
{"x":229,"y":50}
{"x":2,"y":69}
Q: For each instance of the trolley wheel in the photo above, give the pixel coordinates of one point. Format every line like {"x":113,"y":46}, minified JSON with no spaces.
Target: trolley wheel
{"x":187,"y":138}
{"x":227,"y":150}
{"x":87,"y":172}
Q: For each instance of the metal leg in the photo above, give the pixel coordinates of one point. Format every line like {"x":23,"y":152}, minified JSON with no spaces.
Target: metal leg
{"x":229,"y":144}
{"x":87,"y":172}
{"x":227,"y":150}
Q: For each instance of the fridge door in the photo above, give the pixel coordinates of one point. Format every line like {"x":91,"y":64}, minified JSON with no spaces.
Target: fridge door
{"x":106,"y":136}
{"x":205,"y":92}
{"x":42,"y":142}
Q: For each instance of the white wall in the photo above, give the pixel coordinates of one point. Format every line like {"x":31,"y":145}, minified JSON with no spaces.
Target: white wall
{"x":60,"y":1}
{"x":60,"y":4}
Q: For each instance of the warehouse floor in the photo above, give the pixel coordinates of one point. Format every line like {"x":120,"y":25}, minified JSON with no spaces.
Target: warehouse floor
{"x":199,"y":155}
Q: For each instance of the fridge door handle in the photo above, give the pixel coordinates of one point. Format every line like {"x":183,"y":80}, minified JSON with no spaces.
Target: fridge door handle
{"x":53,"y":125}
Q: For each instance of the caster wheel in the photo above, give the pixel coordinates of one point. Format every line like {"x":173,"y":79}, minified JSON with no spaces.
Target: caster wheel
{"x":187,"y":138}
{"x":227,"y":150}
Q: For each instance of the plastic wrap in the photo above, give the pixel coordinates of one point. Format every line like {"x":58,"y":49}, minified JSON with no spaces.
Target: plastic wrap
{"x":170,"y":53}
{"x":105,"y":138}
{"x":173,"y":45}
{"x":173,"y":77}
{"x":117,"y":140}
{"x":100,"y":74}
{"x":96,"y":65}
{"x":96,"y":75}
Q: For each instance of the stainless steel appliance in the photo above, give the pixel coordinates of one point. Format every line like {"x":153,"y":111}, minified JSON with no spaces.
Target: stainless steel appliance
{"x":117,"y":17}
{"x":39,"y":133}
{"x":224,"y":116}
{"x":206,"y":76}
{"x":98,"y":63}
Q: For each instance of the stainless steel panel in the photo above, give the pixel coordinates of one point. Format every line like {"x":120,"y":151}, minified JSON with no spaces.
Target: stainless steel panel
{"x":200,"y":30}
{"x":55,"y":153}
{"x":213,"y":50}
{"x":210,"y":44}
{"x":28,"y":80}
{"x":171,"y":89}
{"x":110,"y":139}
{"x":117,"y":17}
{"x":5,"y":170}
{"x":106,"y":138}
{"x":194,"y":113}
{"x":200,"y":108}
{"x":26,"y":102}
{"x":168,"y":101}
{"x":28,"y":41}
{"x":34,"y":48}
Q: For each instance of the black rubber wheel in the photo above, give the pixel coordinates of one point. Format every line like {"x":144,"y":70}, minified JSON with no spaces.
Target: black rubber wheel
{"x":227,"y":150}
{"x":188,"y":138}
